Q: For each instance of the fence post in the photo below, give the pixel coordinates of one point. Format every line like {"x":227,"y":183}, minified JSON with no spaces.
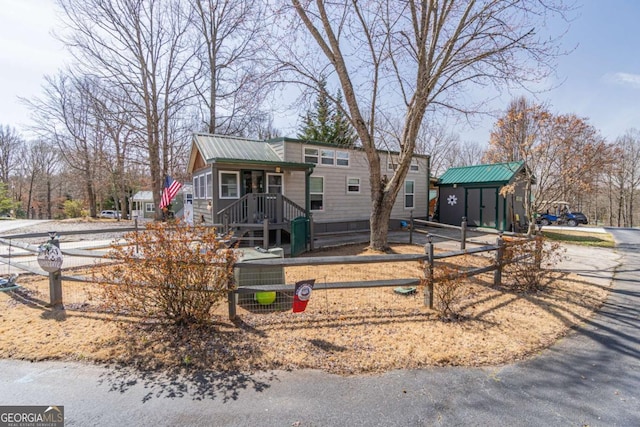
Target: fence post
{"x":411,"y":227}
{"x":55,"y":279}
{"x":428,"y":289}
{"x":231,"y":296}
{"x":497,"y":274}
{"x":463,"y":234}
{"x":311,"y":232}
{"x":135,"y":223}
{"x":265,"y":233}
{"x":225,"y":222}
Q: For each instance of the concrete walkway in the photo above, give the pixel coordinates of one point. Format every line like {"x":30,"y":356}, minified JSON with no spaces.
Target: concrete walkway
{"x":590,"y":378}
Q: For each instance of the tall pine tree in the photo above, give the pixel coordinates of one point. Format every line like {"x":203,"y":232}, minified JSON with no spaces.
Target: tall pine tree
{"x":327,"y":122}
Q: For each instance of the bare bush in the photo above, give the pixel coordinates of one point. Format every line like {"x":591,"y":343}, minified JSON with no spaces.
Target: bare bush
{"x":170,"y":271}
{"x":527,"y":264}
{"x":448,"y":292}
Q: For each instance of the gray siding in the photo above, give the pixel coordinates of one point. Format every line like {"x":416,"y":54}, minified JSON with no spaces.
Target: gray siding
{"x":340,"y":205}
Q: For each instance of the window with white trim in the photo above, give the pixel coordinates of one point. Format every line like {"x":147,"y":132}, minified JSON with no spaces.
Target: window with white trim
{"x":311,"y":155}
{"x":149,"y":207}
{"x":275,"y":183}
{"x":414,"y":167}
{"x":196,"y":194}
{"x":202,"y":187}
{"x":316,"y":192}
{"x":327,"y":157}
{"x":342,"y":158}
{"x":209,"y":190}
{"x":409,"y":194}
{"x":353,"y":185}
{"x":229,"y":187}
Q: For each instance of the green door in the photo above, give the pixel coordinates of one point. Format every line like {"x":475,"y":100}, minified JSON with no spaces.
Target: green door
{"x":299,"y":232}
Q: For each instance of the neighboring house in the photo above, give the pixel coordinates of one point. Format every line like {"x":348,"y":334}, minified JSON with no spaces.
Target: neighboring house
{"x":245,"y":181}
{"x":474,"y":192}
{"x":142,"y":205}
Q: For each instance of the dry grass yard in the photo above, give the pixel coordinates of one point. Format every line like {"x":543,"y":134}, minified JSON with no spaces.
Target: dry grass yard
{"x":342,"y":331}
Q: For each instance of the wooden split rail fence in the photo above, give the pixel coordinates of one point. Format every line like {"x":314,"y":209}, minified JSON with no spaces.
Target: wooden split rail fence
{"x":429,"y":258}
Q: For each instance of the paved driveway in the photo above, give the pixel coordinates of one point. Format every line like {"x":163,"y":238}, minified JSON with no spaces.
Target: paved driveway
{"x":590,"y":378}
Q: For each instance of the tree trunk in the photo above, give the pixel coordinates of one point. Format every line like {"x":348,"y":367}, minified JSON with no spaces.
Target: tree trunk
{"x":49,"y":216}
{"x":379,"y":221}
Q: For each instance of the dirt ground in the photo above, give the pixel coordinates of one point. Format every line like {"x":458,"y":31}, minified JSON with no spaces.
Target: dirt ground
{"x":342,"y":331}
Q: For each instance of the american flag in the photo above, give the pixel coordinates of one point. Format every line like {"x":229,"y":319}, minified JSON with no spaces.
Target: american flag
{"x":170,"y":190}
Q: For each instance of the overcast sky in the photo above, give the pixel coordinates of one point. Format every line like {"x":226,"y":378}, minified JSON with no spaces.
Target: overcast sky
{"x":601,"y":77}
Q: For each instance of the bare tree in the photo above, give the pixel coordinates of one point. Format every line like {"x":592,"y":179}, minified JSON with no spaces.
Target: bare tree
{"x":110,"y":110}
{"x":624,"y":176}
{"x":405,"y":57}
{"x":143,"y":49}
{"x":232,"y":81}
{"x":561,"y":153}
{"x":64,"y":115}
{"x":10,"y":142}
{"x":46,"y":161}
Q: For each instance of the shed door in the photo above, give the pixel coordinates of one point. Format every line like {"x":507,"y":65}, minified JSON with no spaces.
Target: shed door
{"x":473,"y":207}
{"x":482,"y":207}
{"x":489,"y":207}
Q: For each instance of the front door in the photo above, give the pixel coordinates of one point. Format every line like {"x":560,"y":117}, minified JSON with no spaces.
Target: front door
{"x":252,"y":182}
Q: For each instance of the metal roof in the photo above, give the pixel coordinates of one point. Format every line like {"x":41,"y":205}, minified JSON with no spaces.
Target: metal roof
{"x":141,"y":196}
{"x":219,"y":147}
{"x":497,"y":173}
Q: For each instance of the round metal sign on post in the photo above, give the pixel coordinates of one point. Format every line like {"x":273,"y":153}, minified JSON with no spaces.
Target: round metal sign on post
{"x":50,"y":258}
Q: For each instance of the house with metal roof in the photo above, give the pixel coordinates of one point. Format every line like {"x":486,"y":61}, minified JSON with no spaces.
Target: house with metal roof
{"x":244,"y":181}
{"x":476,"y":193}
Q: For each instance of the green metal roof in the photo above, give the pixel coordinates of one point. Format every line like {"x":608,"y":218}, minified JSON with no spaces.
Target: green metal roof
{"x":218,"y":147}
{"x":236,"y":150}
{"x":498,"y":173}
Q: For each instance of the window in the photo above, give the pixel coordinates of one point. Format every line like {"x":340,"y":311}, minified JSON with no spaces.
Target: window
{"x":311,"y":155}
{"x":209,"y":193}
{"x":342,"y":158}
{"x":274,"y":183}
{"x":202,"y":187}
{"x":392,"y":164}
{"x":196,"y":193}
{"x":327,"y":157}
{"x":316,"y":193}
{"x":229,"y":185}
{"x":409,"y":193}
{"x":353,"y":185}
{"x":149,"y":207}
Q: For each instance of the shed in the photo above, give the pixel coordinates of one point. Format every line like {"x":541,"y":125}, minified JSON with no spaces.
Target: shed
{"x":474,"y":192}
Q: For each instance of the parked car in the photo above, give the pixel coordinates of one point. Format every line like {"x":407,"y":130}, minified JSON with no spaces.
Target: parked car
{"x":110,"y":214}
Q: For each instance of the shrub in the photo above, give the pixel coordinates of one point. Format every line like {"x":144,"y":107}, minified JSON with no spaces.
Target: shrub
{"x":448,"y":292}
{"x":170,"y":271}
{"x":72,"y":208}
{"x":528,"y":263}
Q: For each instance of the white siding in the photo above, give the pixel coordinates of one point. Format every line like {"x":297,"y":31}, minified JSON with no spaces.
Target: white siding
{"x":340,"y":205}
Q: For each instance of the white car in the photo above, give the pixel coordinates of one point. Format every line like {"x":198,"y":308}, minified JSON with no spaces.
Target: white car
{"x":110,"y":214}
